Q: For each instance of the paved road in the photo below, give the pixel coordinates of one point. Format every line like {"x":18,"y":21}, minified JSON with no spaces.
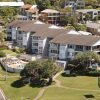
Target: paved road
{"x":2,"y":97}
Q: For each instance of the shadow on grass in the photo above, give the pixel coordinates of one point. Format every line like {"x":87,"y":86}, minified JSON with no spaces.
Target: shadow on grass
{"x":36,"y":85}
{"x":68,"y":75}
{"x":89,"y":96}
{"x":18,"y":84}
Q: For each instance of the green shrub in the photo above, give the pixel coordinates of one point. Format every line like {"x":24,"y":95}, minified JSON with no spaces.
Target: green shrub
{"x":93,"y":73}
{"x":2,"y":54}
{"x":19,"y":50}
{"x":3,"y":47}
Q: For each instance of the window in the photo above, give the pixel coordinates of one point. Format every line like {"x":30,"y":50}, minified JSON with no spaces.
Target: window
{"x":62,"y":47}
{"x":79,"y":47}
{"x":19,"y":38}
{"x":88,"y":48}
{"x":70,"y":46}
{"x":19,"y":32}
{"x":35,"y":37}
{"x":95,"y":13}
{"x":35,"y":44}
{"x":53,"y":51}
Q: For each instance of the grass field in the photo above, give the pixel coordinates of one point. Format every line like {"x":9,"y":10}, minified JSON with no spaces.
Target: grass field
{"x":9,"y":52}
{"x":87,"y":86}
{"x":15,"y":92}
{"x":55,"y":93}
{"x":82,"y":82}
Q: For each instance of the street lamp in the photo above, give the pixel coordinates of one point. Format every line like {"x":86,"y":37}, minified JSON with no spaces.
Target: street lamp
{"x":6,"y":72}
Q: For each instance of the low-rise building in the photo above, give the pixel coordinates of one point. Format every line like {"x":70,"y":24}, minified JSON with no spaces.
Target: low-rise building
{"x":66,"y":46}
{"x":75,"y":4}
{"x":91,"y":12}
{"x":50,"y":16}
{"x":28,"y":12}
{"x":52,"y":41}
{"x":93,"y":27}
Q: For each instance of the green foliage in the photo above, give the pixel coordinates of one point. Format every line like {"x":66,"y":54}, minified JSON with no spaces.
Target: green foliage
{"x":64,"y":21}
{"x":95,"y":19}
{"x":8,"y":14}
{"x":88,"y":7}
{"x":86,"y":57}
{"x":70,"y":27}
{"x":2,"y":54}
{"x":19,"y":50}
{"x":80,"y":27}
{"x":37,"y":71}
{"x":72,"y":20}
{"x":30,"y":1}
{"x":93,"y":3}
{"x":93,"y":73}
{"x":3,"y":47}
{"x":2,"y":37}
{"x":43,"y":4}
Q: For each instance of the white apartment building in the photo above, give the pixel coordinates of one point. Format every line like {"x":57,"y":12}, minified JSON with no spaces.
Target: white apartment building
{"x":92,"y":12}
{"x":75,"y":4}
{"x":52,"y":41}
{"x":65,"y":47}
{"x":80,"y":4}
{"x":18,"y":37}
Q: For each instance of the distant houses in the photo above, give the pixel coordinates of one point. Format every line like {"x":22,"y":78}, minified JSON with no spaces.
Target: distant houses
{"x":51,"y":16}
{"x":93,"y":27}
{"x":92,"y":13}
{"x":28,"y":12}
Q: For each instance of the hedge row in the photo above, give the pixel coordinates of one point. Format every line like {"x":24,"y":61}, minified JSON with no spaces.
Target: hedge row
{"x":93,"y":73}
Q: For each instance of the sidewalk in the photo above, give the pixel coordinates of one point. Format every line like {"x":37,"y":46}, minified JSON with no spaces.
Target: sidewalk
{"x":2,"y":96}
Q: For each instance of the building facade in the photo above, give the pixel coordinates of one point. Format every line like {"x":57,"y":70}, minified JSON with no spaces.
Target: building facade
{"x":93,"y":27}
{"x":50,"y":41}
{"x":50,"y":16}
{"x":28,"y":12}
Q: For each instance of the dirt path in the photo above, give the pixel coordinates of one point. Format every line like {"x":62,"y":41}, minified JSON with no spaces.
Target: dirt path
{"x":40,"y":94}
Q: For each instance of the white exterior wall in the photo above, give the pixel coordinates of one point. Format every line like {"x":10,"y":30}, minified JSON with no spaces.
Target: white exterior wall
{"x":71,"y":53}
{"x":80,"y":3}
{"x":41,"y":46}
{"x":97,"y":43}
{"x":94,"y":13}
{"x":62,"y":51}
{"x":14,"y":31}
{"x":44,"y":42}
{"x":25,"y":38}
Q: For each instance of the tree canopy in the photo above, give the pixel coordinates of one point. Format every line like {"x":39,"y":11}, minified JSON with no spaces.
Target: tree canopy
{"x":37,"y":71}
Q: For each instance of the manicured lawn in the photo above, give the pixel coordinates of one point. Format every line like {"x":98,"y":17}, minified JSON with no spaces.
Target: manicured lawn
{"x":15,"y":91}
{"x":82,"y":82}
{"x":55,"y":93}
{"x":9,"y":52}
